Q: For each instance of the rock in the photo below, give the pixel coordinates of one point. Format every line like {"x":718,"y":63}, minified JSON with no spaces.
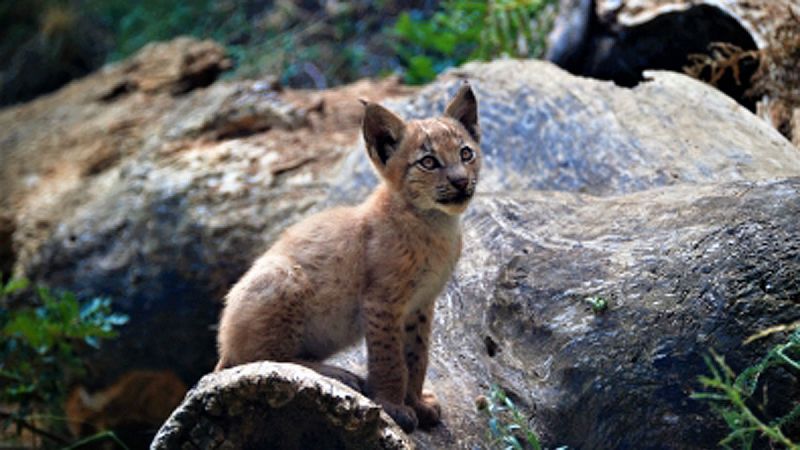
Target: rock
{"x":174,"y":67}
{"x":162,"y":201}
{"x":618,"y":40}
{"x":235,"y":111}
{"x":665,"y":219}
{"x":277,"y":406}
{"x":684,"y":268}
{"x":95,"y":123}
{"x":547,"y":131}
{"x":758,"y":17}
{"x":665,"y":198}
{"x":796,"y":127}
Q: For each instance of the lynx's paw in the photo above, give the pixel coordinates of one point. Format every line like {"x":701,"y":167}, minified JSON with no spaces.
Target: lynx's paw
{"x":429,"y":413}
{"x":403,"y":415}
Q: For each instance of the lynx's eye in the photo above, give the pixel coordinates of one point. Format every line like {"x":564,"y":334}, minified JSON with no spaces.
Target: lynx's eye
{"x":429,"y":163}
{"x":467,"y":154}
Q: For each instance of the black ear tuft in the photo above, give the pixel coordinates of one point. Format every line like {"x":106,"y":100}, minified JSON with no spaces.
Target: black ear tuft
{"x":383,"y":132}
{"x":464,"y":108}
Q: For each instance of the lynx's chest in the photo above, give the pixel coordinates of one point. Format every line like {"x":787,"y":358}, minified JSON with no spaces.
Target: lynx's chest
{"x":434,"y":271}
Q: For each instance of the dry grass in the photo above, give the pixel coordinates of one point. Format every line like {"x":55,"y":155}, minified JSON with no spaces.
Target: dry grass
{"x":777,"y":76}
{"x":725,"y":57}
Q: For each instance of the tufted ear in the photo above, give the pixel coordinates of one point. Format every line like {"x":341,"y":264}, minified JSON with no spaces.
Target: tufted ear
{"x":383,"y":131}
{"x":464,"y":108}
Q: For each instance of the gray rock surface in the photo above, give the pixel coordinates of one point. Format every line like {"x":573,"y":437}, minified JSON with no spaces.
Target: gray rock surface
{"x":669,"y":199}
{"x":277,"y":406}
{"x":684,"y":268}
{"x":545,"y":130}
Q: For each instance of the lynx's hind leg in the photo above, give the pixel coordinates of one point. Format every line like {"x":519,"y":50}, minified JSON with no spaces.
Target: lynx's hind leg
{"x":264,"y":314}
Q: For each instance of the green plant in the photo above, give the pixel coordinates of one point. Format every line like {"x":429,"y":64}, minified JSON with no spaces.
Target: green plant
{"x":598,"y":303}
{"x":463,"y":30}
{"x":286,"y":40}
{"x":508,"y":428}
{"x":44,"y":334}
{"x":732,"y":397}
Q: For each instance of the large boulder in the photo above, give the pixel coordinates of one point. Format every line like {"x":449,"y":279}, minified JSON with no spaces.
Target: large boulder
{"x":161,"y":200}
{"x":54,"y":145}
{"x":685,"y":269}
{"x":618,"y":193}
{"x":652,"y":197}
{"x":545,"y":130}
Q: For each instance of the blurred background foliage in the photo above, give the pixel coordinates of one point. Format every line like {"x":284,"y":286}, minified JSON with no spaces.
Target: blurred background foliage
{"x":44,"y":337}
{"x":461,"y":30}
{"x":302,"y":43}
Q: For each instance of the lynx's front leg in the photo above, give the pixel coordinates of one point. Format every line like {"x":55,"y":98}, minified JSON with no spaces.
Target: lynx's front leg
{"x":387,"y":380}
{"x":417,"y":342}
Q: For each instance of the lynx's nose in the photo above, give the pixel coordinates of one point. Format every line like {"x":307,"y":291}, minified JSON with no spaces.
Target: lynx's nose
{"x":459,"y":183}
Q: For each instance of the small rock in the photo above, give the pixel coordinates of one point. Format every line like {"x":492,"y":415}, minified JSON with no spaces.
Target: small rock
{"x":305,"y":421}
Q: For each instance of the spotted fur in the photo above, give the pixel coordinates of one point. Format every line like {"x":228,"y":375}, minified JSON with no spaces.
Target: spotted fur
{"x":371,"y":270}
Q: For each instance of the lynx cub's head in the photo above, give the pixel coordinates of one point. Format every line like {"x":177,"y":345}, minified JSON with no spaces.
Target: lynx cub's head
{"x":433,"y":163}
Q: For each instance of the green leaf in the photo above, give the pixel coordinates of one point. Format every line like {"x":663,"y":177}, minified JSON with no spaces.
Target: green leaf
{"x":15,"y":285}
{"x":792,"y":417}
{"x":708,"y":396}
{"x":507,"y":43}
{"x":494,"y":427}
{"x":44,"y":294}
{"x":404,"y":26}
{"x":533,"y":440}
{"x":421,"y":69}
{"x":118,"y":319}
{"x":512,"y":442}
{"x":445,"y":42}
{"x":92,"y":341}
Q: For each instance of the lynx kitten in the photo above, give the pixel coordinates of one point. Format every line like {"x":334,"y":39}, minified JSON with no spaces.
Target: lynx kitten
{"x":374,"y":269}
